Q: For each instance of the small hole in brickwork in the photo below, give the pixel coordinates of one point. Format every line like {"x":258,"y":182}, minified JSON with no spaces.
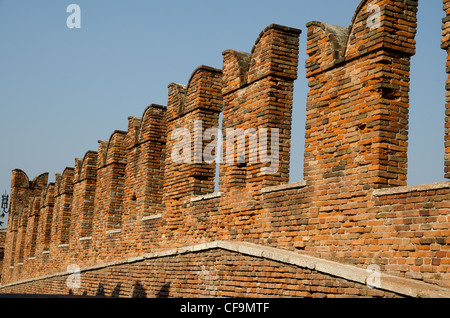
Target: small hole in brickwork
{"x":362,"y":127}
{"x":133,"y":198}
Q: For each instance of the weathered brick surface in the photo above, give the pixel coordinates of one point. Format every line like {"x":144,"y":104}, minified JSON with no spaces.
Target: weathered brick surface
{"x":258,"y":93}
{"x":446,"y":46}
{"x":214,"y":273}
{"x":353,"y":207}
{"x":357,"y":107}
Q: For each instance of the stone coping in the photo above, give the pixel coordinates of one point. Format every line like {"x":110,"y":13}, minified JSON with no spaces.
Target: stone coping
{"x":152,"y":217}
{"x":115,"y":231}
{"x":302,"y":184}
{"x":206,"y":196}
{"x":287,"y":186}
{"x":403,"y":286}
{"x":410,"y":189}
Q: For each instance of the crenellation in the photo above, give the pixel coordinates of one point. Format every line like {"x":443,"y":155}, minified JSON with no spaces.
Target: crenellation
{"x":111,"y":162}
{"x":86,"y":168}
{"x":145,"y":204}
{"x":186,"y":171}
{"x":190,"y":152}
{"x":62,"y":210}
{"x":144,"y":176}
{"x":85,"y":182}
{"x":145,"y":161}
{"x":176,"y":101}
{"x":32,"y":233}
{"x":235,"y":69}
{"x":45,"y":225}
{"x":376,"y":125}
{"x":26,"y":198}
{"x":325,"y":45}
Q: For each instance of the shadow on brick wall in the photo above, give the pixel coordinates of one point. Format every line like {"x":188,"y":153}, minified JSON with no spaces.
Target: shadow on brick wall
{"x":164,"y":291}
{"x":138,"y":291}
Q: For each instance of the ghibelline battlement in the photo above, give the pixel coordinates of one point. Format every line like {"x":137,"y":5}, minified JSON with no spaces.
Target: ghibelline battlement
{"x":151,"y":189}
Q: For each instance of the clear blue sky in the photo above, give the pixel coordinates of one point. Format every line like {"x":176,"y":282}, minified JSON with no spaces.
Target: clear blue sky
{"x":62,"y":90}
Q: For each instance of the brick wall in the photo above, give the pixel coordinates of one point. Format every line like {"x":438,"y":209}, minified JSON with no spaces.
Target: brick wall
{"x":357,"y":107}
{"x":140,"y":195}
{"x":258,"y":93}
